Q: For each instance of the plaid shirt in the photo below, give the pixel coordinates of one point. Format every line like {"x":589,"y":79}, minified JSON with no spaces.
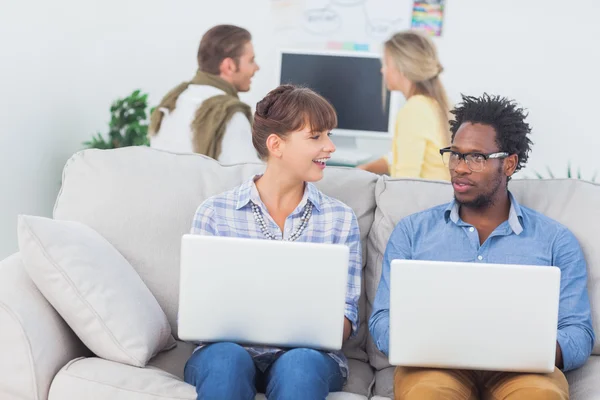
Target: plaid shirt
{"x":230,"y":214}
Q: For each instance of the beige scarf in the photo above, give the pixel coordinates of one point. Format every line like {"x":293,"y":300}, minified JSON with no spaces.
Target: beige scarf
{"x":211,"y":118}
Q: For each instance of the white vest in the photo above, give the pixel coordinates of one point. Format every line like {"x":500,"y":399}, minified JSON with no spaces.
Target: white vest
{"x":175,"y":133}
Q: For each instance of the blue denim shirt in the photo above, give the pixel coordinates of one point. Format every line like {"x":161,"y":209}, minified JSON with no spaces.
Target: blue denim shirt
{"x":527,"y":238}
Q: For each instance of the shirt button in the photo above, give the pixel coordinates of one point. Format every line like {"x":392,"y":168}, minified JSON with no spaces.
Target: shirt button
{"x":479,"y":258}
{"x":471,"y":229}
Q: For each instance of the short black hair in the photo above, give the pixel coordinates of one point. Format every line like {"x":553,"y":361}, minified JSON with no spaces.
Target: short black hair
{"x":504,"y":115}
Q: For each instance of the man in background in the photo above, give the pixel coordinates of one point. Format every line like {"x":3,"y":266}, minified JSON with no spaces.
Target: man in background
{"x":205,"y":114}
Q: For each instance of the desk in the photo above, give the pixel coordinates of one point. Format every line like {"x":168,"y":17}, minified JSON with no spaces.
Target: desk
{"x":345,"y":157}
{"x":341,"y":164}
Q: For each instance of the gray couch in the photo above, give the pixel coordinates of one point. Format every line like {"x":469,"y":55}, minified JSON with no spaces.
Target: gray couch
{"x":142,"y":201}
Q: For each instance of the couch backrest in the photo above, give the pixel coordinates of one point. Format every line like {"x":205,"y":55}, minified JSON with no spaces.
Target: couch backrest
{"x":575,"y":204}
{"x":143,"y":200}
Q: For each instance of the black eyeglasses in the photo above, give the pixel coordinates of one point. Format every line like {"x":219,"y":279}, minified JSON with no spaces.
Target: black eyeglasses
{"x":475,"y":161}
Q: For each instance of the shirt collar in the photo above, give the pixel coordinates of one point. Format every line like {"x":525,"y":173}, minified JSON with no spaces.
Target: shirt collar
{"x":249,"y":193}
{"x":515,"y":215}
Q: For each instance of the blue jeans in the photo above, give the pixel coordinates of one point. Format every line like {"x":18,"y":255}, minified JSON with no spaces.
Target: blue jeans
{"x":226,"y":371}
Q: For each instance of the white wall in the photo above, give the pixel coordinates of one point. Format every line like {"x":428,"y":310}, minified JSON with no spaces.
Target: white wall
{"x":65,"y":61}
{"x":545,"y":54}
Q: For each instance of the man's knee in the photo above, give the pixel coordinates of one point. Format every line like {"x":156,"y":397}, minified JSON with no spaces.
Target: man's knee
{"x":422,"y":391}
{"x":425,"y":384}
{"x":432,"y":390}
{"x":538,"y":393}
{"x":552,"y":386}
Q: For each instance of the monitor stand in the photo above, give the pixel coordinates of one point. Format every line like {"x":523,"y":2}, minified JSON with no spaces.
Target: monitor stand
{"x":344,"y":142}
{"x":347,"y":152}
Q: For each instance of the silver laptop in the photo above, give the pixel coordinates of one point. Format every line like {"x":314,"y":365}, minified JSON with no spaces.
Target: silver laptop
{"x":473,"y":316}
{"x":262,"y":292}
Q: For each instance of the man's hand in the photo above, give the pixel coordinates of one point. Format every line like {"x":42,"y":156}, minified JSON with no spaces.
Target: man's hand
{"x":558,"y":360}
{"x":347,"y":328}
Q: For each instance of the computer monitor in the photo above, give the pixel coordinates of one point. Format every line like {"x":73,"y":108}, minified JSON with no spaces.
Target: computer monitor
{"x":351,"y":81}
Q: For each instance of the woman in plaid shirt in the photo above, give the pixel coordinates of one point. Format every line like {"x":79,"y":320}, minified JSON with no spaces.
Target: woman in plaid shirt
{"x":291,"y":133}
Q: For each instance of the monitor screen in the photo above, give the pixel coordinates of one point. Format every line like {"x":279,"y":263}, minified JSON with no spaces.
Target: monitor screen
{"x":351,"y":83}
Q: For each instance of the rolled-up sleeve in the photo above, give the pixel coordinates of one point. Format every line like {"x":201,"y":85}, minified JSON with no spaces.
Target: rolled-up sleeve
{"x":575,"y":333}
{"x":398,"y":247}
{"x":354,"y":274}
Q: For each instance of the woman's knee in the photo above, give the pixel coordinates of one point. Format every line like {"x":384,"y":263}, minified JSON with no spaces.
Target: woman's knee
{"x":222,"y":358}
{"x":303,"y":356}
{"x":308,"y":372}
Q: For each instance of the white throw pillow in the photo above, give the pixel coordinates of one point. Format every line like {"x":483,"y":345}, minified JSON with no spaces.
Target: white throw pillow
{"x":94,"y":289}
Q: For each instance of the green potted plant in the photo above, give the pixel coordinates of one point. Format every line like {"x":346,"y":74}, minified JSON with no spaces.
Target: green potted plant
{"x":128,"y":124}
{"x":570,"y":174}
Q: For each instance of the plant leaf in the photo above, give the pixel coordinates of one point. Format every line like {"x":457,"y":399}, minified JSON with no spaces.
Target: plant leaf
{"x":127,"y":126}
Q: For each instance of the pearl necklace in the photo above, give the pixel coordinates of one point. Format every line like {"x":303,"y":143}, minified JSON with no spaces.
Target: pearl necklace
{"x":263,"y":225}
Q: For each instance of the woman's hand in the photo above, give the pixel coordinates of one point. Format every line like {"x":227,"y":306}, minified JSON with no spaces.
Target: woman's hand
{"x":347,"y":329}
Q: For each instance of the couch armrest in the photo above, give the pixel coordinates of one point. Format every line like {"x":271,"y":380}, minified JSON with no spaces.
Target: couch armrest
{"x":35,"y":342}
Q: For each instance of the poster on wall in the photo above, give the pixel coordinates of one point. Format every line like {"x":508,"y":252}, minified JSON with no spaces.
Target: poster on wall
{"x":428,"y":16}
{"x":354,"y":25}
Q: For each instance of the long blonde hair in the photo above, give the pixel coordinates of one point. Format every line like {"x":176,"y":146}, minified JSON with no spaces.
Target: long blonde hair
{"x":415,"y":55}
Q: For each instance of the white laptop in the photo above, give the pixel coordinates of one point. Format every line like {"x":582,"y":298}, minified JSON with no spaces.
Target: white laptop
{"x":473,"y":316}
{"x":262,"y":292}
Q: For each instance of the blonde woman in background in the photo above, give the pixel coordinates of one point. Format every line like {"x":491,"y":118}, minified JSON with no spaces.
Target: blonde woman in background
{"x":411,"y":66}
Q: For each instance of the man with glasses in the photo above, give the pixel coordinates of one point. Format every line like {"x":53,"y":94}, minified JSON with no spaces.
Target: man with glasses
{"x":484,"y":223}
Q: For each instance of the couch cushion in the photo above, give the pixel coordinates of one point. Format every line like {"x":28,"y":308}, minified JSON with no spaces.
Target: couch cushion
{"x":396,"y":198}
{"x":173,"y":361}
{"x":95,"y":378}
{"x":583,"y":382}
{"x":384,"y":383}
{"x":35,"y":342}
{"x":360,"y":379}
{"x":571,"y":202}
{"x":94,"y":289}
{"x":143,"y":200}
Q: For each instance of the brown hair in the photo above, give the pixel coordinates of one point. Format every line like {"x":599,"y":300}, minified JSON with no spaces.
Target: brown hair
{"x":219,"y":43}
{"x":287,"y":109}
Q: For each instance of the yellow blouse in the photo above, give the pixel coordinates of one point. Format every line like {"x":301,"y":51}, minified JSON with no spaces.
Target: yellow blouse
{"x":418,"y":137}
